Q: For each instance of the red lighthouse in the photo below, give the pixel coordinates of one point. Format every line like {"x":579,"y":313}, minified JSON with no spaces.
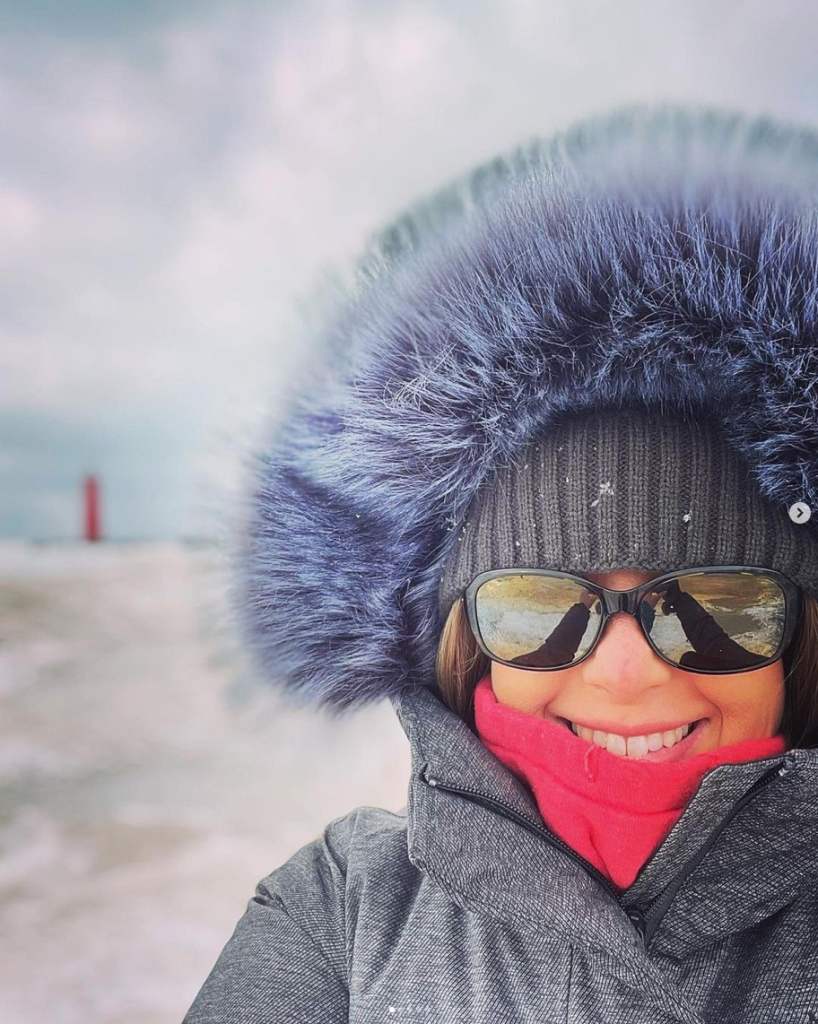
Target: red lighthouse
{"x":92,"y":513}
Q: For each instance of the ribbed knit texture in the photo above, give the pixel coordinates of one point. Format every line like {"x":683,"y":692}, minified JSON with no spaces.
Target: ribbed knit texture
{"x":613,"y":811}
{"x":614,"y":490}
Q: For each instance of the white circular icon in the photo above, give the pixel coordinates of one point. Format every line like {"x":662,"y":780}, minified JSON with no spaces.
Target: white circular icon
{"x":800,"y":512}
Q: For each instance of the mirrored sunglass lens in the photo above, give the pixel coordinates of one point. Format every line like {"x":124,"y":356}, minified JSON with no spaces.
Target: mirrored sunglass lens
{"x":719,"y":621}
{"x":537,"y":621}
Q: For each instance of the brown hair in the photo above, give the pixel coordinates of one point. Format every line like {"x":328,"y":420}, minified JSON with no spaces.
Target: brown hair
{"x":461,"y":665}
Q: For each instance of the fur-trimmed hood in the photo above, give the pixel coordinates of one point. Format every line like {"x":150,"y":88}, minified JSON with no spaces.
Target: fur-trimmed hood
{"x":663,"y":259}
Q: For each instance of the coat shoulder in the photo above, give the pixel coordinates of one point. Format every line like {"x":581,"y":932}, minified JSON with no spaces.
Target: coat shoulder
{"x":376,"y":839}
{"x":359,"y":841}
{"x":378,"y":870}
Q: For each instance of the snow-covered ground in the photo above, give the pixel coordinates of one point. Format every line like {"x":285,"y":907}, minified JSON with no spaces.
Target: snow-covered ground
{"x":147,"y":782}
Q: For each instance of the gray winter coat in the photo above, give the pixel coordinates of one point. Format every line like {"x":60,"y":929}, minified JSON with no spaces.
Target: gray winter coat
{"x":465,"y":909}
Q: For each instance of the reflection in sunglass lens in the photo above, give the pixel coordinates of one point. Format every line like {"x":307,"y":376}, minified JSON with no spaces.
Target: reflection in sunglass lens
{"x":537,"y":621}
{"x":717,"y":621}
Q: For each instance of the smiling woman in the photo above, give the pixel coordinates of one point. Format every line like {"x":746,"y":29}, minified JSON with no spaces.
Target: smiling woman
{"x":562,"y":730}
{"x":542,"y":506}
{"x":563,"y":674}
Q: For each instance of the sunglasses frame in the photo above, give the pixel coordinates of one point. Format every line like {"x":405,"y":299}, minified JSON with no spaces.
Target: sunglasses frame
{"x":613,"y":601}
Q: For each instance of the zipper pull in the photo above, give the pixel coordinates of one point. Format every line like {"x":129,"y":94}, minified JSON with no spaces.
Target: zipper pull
{"x":637,"y":919}
{"x":788,"y":765}
{"x":430,"y":780}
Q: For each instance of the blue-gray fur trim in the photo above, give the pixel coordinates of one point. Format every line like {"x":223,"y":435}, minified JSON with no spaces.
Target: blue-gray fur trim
{"x":661,"y":258}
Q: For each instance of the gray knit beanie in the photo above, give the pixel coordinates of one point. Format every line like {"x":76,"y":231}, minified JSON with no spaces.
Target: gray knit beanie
{"x":625,"y":489}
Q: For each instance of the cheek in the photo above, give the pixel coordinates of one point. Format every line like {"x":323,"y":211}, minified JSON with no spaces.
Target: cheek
{"x":525,"y":690}
{"x":747,"y":705}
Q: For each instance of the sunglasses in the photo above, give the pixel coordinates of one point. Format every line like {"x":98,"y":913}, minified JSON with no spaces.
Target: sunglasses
{"x":709,"y":619}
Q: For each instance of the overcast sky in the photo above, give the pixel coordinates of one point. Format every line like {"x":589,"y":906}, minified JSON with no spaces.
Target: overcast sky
{"x":176,"y":176}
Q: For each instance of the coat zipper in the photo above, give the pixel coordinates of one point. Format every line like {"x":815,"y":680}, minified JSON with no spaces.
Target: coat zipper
{"x":646,"y":922}
{"x":658,"y":907}
{"x":526,"y":822}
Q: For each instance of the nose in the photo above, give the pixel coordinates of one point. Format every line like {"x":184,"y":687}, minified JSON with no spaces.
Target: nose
{"x":624,"y":664}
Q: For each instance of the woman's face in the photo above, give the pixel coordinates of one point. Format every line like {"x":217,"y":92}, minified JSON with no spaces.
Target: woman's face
{"x":624,"y":691}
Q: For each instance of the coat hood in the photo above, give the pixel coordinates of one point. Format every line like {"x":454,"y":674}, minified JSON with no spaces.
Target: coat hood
{"x":662,"y":259}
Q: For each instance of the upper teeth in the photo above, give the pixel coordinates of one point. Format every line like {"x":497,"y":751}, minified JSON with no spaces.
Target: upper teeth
{"x":631,"y":746}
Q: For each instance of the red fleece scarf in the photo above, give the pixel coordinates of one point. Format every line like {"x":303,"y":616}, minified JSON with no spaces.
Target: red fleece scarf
{"x":614,"y":811}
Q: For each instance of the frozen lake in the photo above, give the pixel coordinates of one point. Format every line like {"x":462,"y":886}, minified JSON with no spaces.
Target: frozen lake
{"x":147,"y":782}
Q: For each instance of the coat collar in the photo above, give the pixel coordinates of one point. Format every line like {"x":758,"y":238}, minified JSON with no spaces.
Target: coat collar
{"x":485,"y":856}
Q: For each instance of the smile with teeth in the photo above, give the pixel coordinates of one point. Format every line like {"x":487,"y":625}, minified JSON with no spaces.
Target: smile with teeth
{"x":633,"y":746}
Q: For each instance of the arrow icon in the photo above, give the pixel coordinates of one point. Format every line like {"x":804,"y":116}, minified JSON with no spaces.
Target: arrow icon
{"x":800,"y":512}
